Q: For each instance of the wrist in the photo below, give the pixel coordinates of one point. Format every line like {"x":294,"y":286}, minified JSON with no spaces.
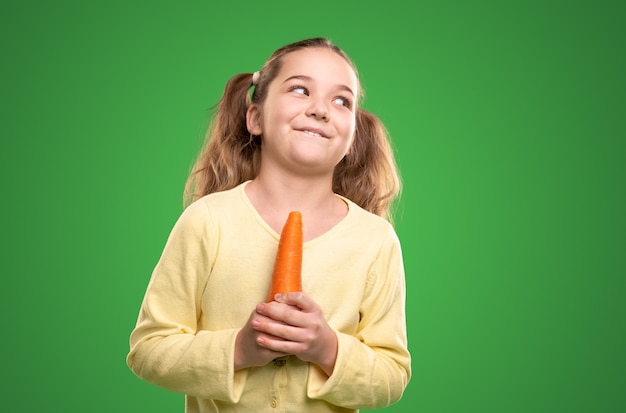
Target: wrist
{"x":329,"y":356}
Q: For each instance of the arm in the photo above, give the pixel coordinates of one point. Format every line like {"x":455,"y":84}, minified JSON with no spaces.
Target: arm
{"x":373,"y":366}
{"x":166,"y":347}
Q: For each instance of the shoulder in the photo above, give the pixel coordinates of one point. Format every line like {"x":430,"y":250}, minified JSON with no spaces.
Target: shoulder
{"x":214,"y":207}
{"x":222,"y":200}
{"x":368,"y":221}
{"x":367,"y":232}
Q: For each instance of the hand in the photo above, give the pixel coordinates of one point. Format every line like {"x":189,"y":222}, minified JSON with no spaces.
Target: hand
{"x":248,"y":353}
{"x":295,"y":324}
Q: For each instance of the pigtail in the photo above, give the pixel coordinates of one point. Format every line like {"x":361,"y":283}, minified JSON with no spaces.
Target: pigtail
{"x":230,"y":155}
{"x":368,"y":174}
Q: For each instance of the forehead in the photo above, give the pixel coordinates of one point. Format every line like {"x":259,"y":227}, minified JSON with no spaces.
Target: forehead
{"x":321,"y":64}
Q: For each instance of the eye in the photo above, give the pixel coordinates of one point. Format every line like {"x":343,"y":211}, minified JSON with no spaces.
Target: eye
{"x":340,"y":100}
{"x":299,"y":89}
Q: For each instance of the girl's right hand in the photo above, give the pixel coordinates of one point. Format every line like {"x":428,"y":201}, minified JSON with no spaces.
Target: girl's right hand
{"x":247,"y":352}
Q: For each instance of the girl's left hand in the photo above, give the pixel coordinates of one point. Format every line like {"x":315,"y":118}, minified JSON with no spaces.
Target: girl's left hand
{"x":300,"y":323}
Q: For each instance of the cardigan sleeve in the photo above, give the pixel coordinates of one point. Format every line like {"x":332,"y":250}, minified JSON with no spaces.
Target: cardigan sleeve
{"x":373,"y":366}
{"x":166,"y":347}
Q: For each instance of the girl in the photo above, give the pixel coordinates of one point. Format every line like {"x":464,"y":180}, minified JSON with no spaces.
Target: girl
{"x":300,"y":142}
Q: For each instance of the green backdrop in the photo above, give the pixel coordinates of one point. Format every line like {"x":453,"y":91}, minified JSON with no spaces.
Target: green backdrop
{"x":509,"y":123}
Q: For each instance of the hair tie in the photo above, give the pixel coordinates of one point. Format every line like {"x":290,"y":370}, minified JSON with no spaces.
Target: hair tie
{"x":255,"y":78}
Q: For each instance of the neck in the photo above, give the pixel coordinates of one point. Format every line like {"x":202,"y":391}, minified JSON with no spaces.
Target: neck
{"x":274,"y":197}
{"x":284,"y":194}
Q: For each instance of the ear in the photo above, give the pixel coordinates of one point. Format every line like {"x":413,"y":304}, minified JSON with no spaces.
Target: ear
{"x":253,"y":120}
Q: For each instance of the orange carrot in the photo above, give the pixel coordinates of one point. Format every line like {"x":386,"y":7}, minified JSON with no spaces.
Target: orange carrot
{"x":287,"y":276}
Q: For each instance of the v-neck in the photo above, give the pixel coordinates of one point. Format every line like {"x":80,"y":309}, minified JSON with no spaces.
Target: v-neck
{"x":276,"y":235}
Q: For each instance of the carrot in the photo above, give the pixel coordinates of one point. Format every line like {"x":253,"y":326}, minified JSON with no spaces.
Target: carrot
{"x":287,"y":275}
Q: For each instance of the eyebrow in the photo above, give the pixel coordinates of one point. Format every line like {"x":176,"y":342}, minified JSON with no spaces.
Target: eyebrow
{"x":309,"y":78}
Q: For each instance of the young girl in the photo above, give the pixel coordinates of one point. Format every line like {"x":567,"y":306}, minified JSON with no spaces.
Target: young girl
{"x":205,"y":328}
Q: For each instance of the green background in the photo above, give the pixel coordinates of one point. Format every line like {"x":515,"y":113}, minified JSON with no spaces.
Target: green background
{"x":509,"y":123}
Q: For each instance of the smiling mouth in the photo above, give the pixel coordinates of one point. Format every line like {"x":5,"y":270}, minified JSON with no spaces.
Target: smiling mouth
{"x":312,"y":133}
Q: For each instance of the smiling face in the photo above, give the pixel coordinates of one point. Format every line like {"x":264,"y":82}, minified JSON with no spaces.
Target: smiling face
{"x":307,"y":120}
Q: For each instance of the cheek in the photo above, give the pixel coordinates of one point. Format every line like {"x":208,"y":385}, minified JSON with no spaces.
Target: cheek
{"x":350,"y":126}
{"x":274,"y":114}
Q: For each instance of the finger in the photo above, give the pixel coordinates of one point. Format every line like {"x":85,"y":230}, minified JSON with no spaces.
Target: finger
{"x":281,"y":313}
{"x":277,"y":346}
{"x":260,"y":319}
{"x":274,"y":310}
{"x":299,"y":299}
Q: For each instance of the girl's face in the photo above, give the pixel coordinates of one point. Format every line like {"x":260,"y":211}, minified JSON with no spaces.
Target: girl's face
{"x":307,"y":121}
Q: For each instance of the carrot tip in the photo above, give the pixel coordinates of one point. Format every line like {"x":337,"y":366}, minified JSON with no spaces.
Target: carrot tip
{"x":287,"y":275}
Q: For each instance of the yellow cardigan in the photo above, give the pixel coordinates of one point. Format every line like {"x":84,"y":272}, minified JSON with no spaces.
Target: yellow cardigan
{"x":216,"y":266}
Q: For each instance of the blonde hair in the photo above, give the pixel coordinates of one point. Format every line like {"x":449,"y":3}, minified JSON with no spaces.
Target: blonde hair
{"x":368,"y":175}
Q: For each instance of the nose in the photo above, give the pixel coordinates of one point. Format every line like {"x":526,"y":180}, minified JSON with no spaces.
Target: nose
{"x":318,"y":110}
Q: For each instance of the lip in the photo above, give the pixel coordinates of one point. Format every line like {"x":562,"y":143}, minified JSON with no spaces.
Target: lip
{"x":313,"y":130}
